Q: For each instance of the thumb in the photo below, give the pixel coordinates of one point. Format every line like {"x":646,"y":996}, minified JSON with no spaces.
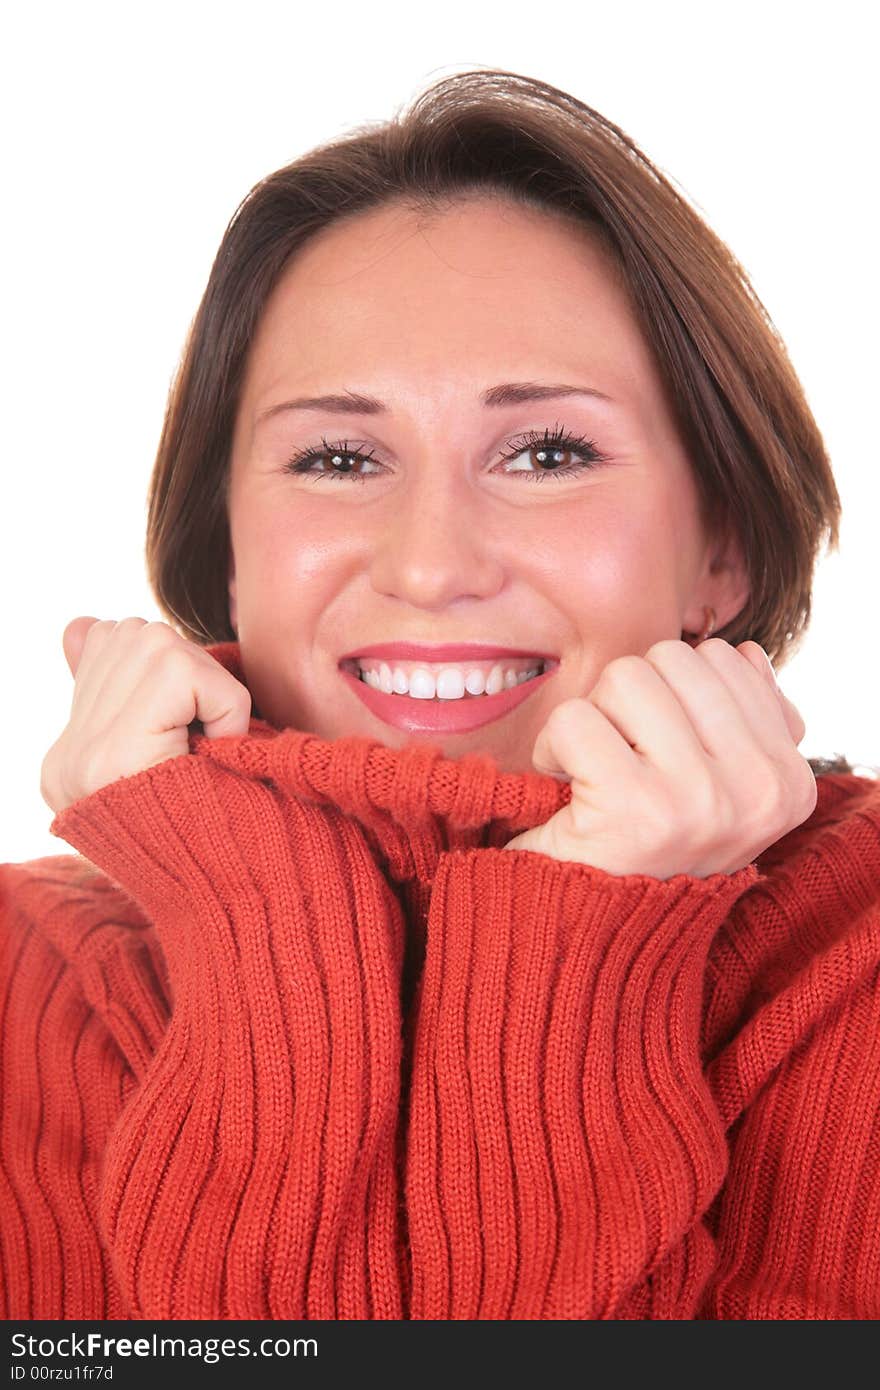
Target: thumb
{"x":545,"y":759}
{"x":223,"y":704}
{"x":73,"y":640}
{"x":758,"y":658}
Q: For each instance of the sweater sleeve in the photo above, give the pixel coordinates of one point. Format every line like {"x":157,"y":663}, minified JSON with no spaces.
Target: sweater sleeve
{"x":792,"y":1026}
{"x":563,"y":1145}
{"x":252,"y":1170}
{"x":63,"y":1081}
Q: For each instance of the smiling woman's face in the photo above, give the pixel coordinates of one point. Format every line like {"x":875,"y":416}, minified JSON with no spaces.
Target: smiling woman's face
{"x":438,"y":518}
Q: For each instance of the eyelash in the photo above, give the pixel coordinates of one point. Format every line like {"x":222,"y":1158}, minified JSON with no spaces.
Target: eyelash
{"x":555,"y":439}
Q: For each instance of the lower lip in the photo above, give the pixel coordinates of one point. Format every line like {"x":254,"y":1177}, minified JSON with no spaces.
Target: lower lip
{"x":442,"y":716}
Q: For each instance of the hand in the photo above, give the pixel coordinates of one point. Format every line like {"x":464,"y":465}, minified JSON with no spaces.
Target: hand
{"x":683,"y":761}
{"x":139,"y":686}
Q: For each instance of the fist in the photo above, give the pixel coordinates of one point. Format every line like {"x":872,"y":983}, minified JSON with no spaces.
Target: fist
{"x":138,"y":687}
{"x":683,"y":761}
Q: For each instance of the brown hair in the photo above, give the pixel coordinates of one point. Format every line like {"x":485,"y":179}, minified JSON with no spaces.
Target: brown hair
{"x":759,"y":461}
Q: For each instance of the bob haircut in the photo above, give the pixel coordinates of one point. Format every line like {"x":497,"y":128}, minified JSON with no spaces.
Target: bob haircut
{"x":758,"y":458}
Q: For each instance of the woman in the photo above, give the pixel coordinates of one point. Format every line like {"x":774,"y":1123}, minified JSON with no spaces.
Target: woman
{"x":532,"y":980}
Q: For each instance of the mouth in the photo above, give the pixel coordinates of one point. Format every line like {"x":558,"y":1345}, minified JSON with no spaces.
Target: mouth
{"x":445,"y":697}
{"x":446,"y":681}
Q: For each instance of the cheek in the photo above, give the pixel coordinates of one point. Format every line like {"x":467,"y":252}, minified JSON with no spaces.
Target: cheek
{"x":288,"y":572}
{"x":276,"y":546}
{"x":612,"y":549}
{"x":613,"y":571}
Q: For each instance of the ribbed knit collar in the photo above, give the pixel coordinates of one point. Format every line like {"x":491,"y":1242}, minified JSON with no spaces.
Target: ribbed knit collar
{"x":414,"y":800}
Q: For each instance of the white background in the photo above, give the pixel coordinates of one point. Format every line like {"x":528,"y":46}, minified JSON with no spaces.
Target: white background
{"x":132,"y":133}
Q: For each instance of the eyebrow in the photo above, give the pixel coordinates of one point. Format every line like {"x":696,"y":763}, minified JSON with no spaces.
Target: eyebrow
{"x":507,"y":393}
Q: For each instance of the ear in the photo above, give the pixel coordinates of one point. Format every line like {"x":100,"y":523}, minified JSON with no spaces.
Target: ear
{"x":722,"y":584}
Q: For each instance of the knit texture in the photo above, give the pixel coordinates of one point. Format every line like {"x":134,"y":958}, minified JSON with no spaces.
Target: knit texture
{"x":292,"y":1035}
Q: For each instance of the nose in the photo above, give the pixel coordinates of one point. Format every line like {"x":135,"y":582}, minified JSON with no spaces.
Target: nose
{"x":435,"y":542}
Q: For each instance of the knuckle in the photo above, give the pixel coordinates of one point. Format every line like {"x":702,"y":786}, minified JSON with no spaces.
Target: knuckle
{"x":668,"y":648}
{"x":566,"y":729}
{"x":174,"y":656}
{"x":561,"y":717}
{"x":567,"y":709}
{"x":756,"y":646}
{"x":715,"y":648}
{"x":98,"y":630}
{"x":620,"y":672}
{"x":159,"y":634}
{"x":129,"y":624}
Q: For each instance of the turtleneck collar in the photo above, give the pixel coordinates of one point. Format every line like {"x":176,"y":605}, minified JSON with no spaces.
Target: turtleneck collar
{"x":414,"y":801}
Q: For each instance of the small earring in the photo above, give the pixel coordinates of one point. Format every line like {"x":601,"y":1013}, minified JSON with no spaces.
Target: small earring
{"x":694,"y":639}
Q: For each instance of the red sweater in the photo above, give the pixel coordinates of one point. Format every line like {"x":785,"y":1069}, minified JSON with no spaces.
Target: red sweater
{"x":307,"y":1042}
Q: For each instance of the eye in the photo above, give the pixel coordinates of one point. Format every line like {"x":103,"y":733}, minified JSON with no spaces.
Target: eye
{"x":557,"y":453}
{"x":341,"y":458}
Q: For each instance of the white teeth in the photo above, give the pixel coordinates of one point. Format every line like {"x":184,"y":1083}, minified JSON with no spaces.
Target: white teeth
{"x":449,"y":684}
{"x":422,"y":685}
{"x":495,"y":681}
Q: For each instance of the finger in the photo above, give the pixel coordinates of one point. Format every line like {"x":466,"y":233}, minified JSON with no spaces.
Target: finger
{"x":93,"y":659}
{"x":184,"y":684}
{"x":223,"y":704}
{"x":758,"y":658}
{"x":776,"y":724}
{"x":735,"y":714}
{"x":105,"y":674}
{"x":579,"y":744}
{"x":73,"y":640}
{"x":645,"y":709}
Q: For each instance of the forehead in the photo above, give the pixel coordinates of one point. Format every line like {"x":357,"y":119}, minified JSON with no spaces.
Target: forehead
{"x":481,"y":285}
{"x":485,"y":243}
{"x":474,"y":228}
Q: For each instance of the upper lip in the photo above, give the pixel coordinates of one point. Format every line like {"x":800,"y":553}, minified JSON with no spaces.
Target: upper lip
{"x":456,"y":651}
